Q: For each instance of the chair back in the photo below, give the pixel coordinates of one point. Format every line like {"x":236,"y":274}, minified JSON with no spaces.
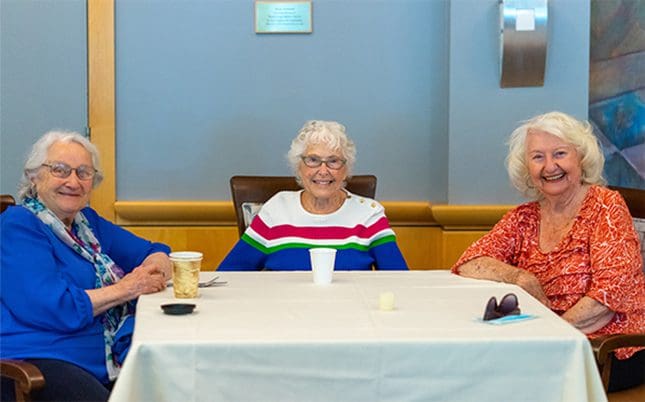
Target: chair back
{"x":634,"y":198}
{"x":250,"y":192}
{"x":6,"y":200}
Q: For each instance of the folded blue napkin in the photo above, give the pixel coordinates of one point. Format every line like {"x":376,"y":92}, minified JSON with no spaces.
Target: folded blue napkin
{"x":509,"y":319}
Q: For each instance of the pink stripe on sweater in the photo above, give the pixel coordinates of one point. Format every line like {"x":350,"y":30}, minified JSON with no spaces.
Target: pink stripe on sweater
{"x":317,"y":232}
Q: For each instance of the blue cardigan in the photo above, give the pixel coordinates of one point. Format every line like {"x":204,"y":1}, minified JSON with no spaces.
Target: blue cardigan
{"x":45,"y":311}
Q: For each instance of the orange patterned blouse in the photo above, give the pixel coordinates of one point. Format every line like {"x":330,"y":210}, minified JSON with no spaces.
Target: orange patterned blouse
{"x":599,"y":257}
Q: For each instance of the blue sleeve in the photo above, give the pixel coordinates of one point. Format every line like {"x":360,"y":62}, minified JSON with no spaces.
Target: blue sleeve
{"x":125,"y":248}
{"x":243,"y":257}
{"x":387,"y":256}
{"x":37,"y":286}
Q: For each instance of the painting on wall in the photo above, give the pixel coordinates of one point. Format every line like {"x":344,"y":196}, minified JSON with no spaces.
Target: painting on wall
{"x":617,"y":88}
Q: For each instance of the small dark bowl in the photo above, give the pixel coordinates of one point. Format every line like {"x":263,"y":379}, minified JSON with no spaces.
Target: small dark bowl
{"x":178,"y":308}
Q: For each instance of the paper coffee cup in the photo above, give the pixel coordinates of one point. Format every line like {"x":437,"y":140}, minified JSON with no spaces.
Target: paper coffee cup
{"x":322,"y":264}
{"x":185,"y":273}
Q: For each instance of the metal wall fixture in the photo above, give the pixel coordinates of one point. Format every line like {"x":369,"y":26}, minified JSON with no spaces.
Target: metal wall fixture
{"x":523,"y":41}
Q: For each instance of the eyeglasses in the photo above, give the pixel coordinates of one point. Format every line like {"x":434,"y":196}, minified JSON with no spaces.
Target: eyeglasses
{"x":313,"y":161}
{"x":509,"y":305}
{"x":63,"y":170}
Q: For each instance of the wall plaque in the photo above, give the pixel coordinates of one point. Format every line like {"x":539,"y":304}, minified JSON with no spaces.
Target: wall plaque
{"x":283,"y":16}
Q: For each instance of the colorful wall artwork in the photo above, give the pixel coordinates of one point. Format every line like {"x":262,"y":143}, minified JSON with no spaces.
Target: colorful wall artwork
{"x":617,"y":88}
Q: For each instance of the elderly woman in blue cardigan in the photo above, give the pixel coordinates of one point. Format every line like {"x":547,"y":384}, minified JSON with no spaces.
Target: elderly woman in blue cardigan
{"x":70,"y":278}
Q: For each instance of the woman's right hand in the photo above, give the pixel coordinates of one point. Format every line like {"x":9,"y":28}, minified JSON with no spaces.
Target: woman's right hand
{"x":495,"y":270}
{"x":531,"y":284}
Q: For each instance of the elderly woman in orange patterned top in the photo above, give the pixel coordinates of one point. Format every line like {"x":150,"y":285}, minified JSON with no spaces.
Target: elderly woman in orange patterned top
{"x":574,"y":246}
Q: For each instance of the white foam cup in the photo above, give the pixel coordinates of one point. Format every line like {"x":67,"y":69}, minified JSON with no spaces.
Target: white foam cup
{"x":322,"y":264}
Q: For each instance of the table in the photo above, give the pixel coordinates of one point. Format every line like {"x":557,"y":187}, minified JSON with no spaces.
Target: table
{"x":275,"y":336}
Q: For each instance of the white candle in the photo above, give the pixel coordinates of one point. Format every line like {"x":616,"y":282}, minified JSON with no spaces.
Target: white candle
{"x":386,"y":301}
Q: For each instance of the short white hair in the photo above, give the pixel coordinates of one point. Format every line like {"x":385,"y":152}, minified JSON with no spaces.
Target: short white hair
{"x":38,"y":155}
{"x":329,"y":133}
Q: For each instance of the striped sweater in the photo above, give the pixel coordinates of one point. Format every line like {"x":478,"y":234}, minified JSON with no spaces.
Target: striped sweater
{"x":280,"y":236}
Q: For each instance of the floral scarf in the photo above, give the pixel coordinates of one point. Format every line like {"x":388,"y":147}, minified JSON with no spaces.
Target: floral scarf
{"x":107,"y":272}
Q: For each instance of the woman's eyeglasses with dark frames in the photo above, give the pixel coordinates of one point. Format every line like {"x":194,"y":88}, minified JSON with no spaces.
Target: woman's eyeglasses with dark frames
{"x":63,"y":170}
{"x":332,"y":162}
{"x":509,"y":305}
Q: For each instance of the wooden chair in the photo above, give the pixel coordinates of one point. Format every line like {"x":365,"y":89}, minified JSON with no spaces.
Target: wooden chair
{"x":634,"y":198}
{"x":604,"y":346}
{"x":26,"y":377}
{"x":6,"y":200}
{"x":250,"y":192}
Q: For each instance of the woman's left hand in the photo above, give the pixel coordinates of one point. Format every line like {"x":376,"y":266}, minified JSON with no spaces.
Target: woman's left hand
{"x":161,"y":262}
{"x":588,"y":315}
{"x":143,"y":279}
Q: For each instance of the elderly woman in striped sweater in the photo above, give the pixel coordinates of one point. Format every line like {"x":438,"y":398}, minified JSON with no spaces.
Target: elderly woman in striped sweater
{"x":322,"y":214}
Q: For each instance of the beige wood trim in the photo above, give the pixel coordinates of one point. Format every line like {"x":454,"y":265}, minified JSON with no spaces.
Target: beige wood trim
{"x":101,"y":99}
{"x":409,"y":213}
{"x":194,"y":213}
{"x":469,"y":217}
{"x":222,"y":213}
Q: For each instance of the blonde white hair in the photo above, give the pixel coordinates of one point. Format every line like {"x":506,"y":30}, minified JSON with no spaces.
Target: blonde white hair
{"x":575,"y":132}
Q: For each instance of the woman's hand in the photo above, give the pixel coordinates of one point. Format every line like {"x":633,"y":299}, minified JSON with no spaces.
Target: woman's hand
{"x":494,"y":270}
{"x":531,"y":284}
{"x":150,"y":277}
{"x":144,"y":279}
{"x":588,"y":315}
{"x":161,"y":261}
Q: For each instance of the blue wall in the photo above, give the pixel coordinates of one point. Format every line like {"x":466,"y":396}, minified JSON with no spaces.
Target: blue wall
{"x":201,"y":97}
{"x":43,"y":76}
{"x":482,"y":115}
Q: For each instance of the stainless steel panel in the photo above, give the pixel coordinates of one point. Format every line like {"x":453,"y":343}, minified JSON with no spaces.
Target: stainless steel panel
{"x":523,"y":42}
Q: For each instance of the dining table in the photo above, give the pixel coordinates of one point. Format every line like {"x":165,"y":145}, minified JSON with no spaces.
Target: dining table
{"x":367,"y":336}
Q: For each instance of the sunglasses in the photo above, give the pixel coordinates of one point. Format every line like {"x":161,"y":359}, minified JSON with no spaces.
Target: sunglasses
{"x":509,"y":305}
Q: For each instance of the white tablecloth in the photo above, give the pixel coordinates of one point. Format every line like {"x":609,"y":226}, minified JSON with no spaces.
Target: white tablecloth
{"x":275,"y":336}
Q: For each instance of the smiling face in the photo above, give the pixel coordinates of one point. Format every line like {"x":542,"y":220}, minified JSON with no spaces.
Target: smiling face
{"x":322,"y":182}
{"x":553,"y":164}
{"x":64,"y":196}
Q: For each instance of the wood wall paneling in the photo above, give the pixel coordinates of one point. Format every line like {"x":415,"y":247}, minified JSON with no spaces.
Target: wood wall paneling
{"x":214,"y":241}
{"x":101,"y":99}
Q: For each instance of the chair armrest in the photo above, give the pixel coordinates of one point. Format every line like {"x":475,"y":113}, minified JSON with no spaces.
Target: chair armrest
{"x":604,"y":345}
{"x":27,"y":377}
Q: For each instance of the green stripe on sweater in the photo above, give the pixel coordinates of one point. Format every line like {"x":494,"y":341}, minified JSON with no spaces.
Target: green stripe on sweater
{"x":270,"y":250}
